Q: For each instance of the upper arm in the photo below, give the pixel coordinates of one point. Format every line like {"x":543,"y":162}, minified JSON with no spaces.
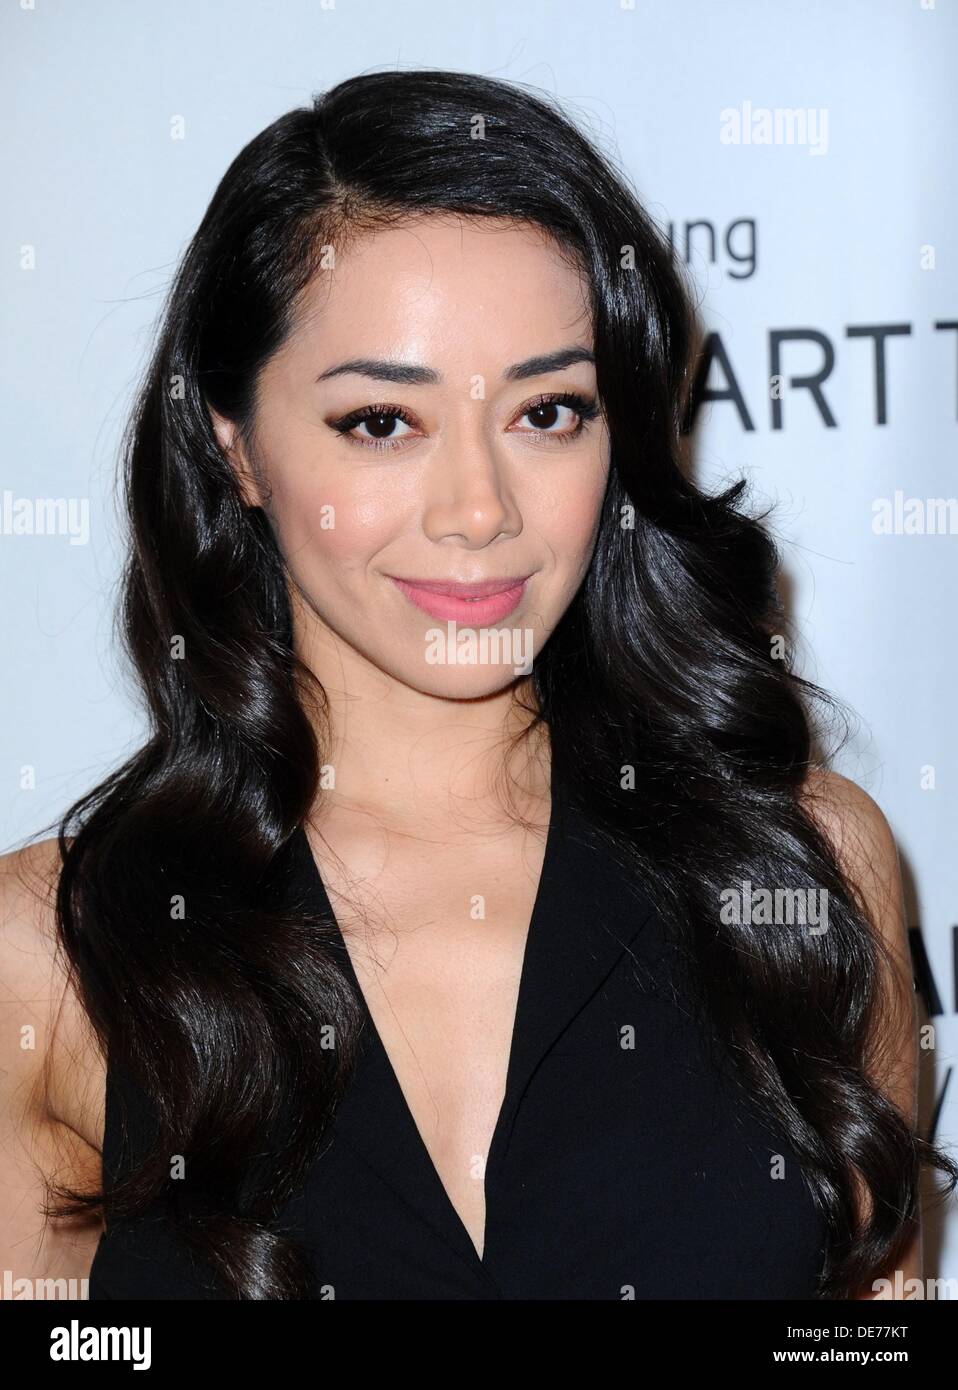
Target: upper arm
{"x":38,"y":1017}
{"x":865,"y":847}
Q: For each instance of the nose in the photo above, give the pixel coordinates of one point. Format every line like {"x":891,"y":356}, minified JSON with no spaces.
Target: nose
{"x":468,"y":495}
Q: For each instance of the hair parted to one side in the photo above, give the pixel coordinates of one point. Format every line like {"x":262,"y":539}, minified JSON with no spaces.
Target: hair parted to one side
{"x":662,"y":664}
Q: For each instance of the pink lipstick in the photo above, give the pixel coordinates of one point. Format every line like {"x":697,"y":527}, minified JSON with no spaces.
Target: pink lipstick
{"x":476,"y":604}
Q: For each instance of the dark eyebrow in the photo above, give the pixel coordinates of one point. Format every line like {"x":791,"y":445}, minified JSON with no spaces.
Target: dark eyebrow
{"x":548,"y":362}
{"x":406,"y":375}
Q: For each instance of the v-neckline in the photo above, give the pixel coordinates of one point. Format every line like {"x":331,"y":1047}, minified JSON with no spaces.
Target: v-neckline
{"x":374,"y":1049}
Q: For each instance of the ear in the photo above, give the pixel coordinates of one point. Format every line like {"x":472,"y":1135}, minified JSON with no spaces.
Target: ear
{"x":235,"y":454}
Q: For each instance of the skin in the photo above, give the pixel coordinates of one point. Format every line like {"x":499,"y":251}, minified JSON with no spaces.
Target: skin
{"x":414,"y":824}
{"x":471,"y":488}
{"x":865,"y":846}
{"x":472,"y":492}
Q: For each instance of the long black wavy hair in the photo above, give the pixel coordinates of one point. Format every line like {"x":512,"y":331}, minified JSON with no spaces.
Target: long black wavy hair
{"x":198,"y":976}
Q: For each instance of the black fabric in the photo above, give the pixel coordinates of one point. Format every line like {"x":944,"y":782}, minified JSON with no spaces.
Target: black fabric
{"x":615,"y":1171}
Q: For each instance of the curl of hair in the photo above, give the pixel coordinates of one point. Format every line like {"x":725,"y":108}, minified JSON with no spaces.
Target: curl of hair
{"x":662,"y":664}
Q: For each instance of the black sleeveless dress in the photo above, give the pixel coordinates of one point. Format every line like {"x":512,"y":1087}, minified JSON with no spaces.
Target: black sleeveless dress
{"x":626,"y":1162}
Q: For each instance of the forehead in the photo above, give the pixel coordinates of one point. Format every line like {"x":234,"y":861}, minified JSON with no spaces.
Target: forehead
{"x":473,"y":290}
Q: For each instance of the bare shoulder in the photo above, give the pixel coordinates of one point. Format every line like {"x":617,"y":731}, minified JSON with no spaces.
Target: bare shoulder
{"x":57,"y":1059}
{"x":865,"y":847}
{"x":50,"y":1076}
{"x":862,"y":839}
{"x":864,"y":844}
{"x":853,"y":821}
{"x":31,"y":972}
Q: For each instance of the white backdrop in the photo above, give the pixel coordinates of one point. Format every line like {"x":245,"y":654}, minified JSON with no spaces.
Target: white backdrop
{"x":808,"y":136}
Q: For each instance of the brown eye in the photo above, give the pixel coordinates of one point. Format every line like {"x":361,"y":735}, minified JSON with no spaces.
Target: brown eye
{"x":543,"y":417}
{"x":380,"y":422}
{"x":548,"y":411}
{"x":382,"y":426}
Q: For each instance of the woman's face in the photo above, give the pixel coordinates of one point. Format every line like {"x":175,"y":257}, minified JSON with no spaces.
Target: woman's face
{"x":461,"y":473}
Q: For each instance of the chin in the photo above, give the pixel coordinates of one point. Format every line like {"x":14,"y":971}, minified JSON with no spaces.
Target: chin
{"x":458,"y":682}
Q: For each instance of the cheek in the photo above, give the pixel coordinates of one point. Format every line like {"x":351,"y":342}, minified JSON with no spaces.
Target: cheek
{"x":569,"y":511}
{"x":331,"y":523}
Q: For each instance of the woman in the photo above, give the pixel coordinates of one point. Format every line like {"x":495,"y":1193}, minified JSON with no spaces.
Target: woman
{"x":457,"y":683}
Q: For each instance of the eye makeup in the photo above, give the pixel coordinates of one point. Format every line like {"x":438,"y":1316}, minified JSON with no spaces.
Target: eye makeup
{"x":585,"y":407}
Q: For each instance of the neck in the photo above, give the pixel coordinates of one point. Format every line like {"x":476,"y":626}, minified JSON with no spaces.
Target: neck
{"x":445,"y":766}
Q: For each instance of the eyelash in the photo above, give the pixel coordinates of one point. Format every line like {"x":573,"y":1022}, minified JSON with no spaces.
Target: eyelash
{"x":584,"y":407}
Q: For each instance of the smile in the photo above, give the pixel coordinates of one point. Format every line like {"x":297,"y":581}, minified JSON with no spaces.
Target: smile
{"x":484,"y":603}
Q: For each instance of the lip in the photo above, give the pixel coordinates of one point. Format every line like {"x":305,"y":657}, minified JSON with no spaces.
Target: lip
{"x":483,"y":603}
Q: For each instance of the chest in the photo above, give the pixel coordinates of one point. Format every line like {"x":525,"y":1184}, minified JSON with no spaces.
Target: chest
{"x":626,"y":1165}
{"x":437,"y":937}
